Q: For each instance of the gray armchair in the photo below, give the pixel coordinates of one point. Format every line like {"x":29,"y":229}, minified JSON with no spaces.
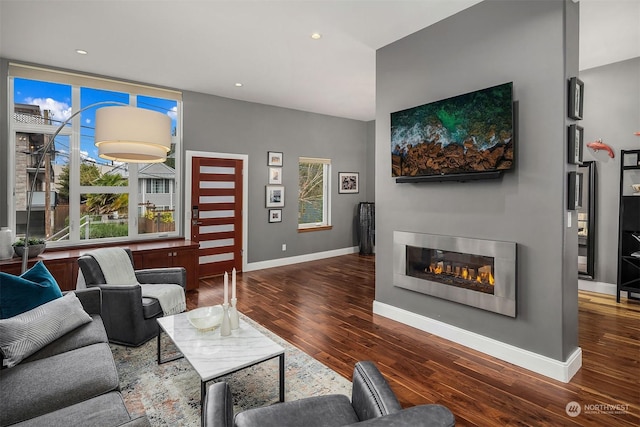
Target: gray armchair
{"x":373,"y":403}
{"x":129,"y":318}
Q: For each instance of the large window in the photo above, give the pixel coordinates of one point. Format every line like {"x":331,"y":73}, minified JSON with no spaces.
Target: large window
{"x":313,"y":193}
{"x":77,"y":195}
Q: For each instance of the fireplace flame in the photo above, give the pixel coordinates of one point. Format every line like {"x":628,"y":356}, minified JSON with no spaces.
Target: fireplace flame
{"x":436,"y":269}
{"x":484,"y":273}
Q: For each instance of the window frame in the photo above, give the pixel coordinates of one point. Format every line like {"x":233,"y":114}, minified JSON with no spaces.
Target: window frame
{"x":154,"y":183}
{"x":325,"y":224}
{"x":133,"y":188}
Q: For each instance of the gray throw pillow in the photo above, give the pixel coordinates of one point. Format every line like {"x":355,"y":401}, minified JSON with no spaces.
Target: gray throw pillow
{"x":26,"y":333}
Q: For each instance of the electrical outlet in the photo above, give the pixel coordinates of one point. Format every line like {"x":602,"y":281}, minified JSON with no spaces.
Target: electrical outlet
{"x":284,"y":247}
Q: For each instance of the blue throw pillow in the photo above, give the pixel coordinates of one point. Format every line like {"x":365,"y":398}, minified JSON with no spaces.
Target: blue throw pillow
{"x":31,"y":289}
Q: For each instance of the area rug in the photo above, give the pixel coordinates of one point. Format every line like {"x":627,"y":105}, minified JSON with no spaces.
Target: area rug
{"x":169,"y":394}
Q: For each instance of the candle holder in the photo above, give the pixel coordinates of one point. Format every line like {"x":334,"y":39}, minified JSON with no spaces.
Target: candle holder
{"x":225,"y":328}
{"x":234,"y":319}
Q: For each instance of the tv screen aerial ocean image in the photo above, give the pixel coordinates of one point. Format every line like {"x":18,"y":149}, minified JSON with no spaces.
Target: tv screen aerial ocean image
{"x":463,"y":134}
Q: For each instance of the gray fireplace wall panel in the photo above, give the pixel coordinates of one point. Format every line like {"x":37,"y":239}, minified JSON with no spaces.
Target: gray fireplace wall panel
{"x":490,"y":43}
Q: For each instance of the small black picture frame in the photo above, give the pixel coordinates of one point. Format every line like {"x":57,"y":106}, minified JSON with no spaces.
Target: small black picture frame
{"x":576,"y":143}
{"x":574,"y":191}
{"x":576,"y":98}
{"x":348,"y":182}
{"x":275,"y":215}
{"x":274,"y":158}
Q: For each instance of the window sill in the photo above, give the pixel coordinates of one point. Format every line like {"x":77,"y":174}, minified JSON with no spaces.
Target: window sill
{"x":318,"y":228}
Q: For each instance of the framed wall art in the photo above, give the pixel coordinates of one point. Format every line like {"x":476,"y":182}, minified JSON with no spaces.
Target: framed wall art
{"x":275,"y":215}
{"x":348,"y":182}
{"x":275,"y":196}
{"x":574,"y":191}
{"x":576,"y":98}
{"x":575,"y":142}
{"x":274,"y":158}
{"x":275,"y":175}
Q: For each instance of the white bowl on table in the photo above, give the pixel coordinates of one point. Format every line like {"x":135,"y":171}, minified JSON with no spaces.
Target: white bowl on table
{"x":205,"y":318}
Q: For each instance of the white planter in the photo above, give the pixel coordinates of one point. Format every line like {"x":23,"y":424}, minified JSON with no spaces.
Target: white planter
{"x":6,"y":239}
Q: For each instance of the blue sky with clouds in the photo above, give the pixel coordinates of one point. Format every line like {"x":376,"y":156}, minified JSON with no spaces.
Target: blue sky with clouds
{"x":56,"y":98}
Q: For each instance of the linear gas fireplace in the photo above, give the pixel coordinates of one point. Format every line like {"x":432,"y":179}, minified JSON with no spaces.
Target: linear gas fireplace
{"x":480,"y":273}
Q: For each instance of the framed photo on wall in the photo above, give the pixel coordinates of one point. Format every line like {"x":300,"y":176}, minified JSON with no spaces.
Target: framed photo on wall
{"x":348,"y":182}
{"x":275,"y":215}
{"x":274,"y":158}
{"x":275,"y":175}
{"x":576,"y":98}
{"x":574,"y":191}
{"x":275,"y":196}
{"x":575,"y":139}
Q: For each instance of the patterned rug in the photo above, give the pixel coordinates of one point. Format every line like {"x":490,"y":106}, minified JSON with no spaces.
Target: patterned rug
{"x":169,"y":394}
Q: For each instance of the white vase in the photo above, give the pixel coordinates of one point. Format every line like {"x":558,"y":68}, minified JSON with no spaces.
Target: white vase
{"x":6,"y":239}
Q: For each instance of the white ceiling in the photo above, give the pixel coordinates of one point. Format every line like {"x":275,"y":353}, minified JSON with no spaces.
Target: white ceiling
{"x":209,"y":45}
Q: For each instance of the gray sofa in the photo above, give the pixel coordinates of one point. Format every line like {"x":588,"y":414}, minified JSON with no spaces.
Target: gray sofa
{"x":372,"y":403}
{"x":71,"y":381}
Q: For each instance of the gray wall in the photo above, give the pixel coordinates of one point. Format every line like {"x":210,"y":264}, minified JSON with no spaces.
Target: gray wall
{"x":491,"y":43}
{"x":216,"y":124}
{"x":371,"y":162}
{"x":612,"y":113}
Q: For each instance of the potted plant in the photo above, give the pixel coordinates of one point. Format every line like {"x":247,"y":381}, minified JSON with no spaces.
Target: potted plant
{"x":36,"y":247}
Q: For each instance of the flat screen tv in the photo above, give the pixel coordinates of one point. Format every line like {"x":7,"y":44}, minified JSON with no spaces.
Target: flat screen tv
{"x":469,"y":136}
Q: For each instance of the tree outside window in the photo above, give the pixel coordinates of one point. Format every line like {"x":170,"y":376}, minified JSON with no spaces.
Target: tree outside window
{"x":313,"y":198}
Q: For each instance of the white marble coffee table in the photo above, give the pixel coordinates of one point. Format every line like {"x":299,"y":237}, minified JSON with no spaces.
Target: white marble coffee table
{"x":213,"y":356}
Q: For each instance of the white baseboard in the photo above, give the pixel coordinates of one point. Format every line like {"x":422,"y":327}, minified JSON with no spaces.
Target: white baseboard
{"x":252,"y":266}
{"x":561,"y":371}
{"x":599,"y":287}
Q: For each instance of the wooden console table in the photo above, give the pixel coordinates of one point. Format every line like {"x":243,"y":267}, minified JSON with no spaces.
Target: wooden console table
{"x":63,"y":265}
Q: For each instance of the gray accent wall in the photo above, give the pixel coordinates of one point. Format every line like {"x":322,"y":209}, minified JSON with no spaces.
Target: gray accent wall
{"x":223,"y":125}
{"x":535,"y":45}
{"x":612,"y":113}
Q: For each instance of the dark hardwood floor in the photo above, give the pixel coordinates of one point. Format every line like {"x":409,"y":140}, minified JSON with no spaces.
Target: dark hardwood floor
{"x":324,"y":308}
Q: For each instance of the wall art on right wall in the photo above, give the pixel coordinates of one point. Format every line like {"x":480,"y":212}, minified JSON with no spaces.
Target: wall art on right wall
{"x":575,"y":140}
{"x":574,"y":191}
{"x":348,"y":182}
{"x":576,"y":98}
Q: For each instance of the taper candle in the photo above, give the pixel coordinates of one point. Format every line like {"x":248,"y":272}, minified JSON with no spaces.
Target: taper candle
{"x":233,"y":283}
{"x":226,"y":287}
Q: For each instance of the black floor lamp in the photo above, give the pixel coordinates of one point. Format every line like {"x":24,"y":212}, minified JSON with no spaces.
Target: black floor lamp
{"x":124,"y":134}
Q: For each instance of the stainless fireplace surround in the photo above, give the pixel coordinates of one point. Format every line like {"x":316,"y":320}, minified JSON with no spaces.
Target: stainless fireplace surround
{"x":503,"y":300}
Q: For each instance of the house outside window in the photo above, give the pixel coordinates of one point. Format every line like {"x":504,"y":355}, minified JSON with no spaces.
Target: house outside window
{"x":77,"y":195}
{"x":314,"y":204}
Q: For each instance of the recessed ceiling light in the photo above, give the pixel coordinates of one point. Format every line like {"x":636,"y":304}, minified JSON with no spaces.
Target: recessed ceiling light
{"x":316,"y":36}
{"x":81,"y":52}
{"x":238,"y":84}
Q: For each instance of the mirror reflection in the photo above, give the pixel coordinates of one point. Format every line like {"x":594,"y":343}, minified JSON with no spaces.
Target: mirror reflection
{"x":587,"y":222}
